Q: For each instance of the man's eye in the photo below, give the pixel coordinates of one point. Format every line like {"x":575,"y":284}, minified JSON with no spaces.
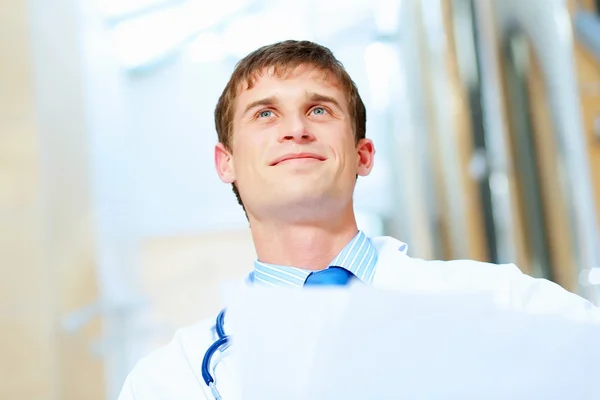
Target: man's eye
{"x":319,"y":111}
{"x":265,"y":114}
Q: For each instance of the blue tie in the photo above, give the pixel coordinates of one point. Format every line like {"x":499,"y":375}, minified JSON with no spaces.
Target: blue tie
{"x":331,"y":276}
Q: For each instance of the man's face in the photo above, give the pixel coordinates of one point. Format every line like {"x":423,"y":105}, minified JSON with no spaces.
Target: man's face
{"x":293,"y":146}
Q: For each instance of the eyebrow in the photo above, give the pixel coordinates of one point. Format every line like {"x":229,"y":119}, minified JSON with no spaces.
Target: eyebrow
{"x":262,"y":102}
{"x":316,"y":97}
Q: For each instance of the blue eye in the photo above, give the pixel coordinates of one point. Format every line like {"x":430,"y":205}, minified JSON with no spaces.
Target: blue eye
{"x":265,"y":114}
{"x":319,"y":111}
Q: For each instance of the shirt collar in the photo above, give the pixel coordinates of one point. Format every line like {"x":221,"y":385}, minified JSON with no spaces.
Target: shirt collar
{"x":359,"y":256}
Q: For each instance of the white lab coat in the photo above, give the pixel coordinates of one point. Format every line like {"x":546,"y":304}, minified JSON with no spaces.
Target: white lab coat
{"x":174,"y":371}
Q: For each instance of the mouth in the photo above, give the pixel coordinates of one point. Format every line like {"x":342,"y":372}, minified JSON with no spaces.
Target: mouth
{"x":298,"y":158}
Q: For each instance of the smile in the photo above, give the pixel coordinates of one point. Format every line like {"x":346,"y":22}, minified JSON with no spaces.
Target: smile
{"x":300,"y":158}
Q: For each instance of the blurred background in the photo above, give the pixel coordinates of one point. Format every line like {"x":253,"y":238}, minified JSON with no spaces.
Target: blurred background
{"x":115,"y":230}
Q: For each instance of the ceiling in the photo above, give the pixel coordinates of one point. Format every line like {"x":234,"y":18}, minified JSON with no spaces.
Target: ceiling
{"x":146,"y":33}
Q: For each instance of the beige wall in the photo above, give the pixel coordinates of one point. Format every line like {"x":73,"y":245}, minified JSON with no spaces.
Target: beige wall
{"x":46,"y":245}
{"x":27,"y":341}
{"x":182,"y":277}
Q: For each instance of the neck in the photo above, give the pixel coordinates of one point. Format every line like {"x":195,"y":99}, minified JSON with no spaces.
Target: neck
{"x":309,"y":246}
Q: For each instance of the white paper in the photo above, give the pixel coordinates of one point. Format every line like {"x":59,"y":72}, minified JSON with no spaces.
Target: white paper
{"x":364,"y":343}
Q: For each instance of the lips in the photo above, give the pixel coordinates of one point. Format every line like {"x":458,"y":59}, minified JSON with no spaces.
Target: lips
{"x":296,"y":156}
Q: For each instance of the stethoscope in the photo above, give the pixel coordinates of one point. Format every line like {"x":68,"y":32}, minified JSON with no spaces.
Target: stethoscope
{"x":220,"y":344}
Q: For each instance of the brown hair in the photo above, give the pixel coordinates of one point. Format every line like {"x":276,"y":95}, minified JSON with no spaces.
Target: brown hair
{"x":284,"y":57}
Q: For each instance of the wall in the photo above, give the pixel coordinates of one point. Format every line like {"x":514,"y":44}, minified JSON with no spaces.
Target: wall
{"x":46,"y":242}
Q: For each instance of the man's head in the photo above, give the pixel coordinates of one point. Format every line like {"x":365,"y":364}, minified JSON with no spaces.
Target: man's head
{"x":291,"y":128}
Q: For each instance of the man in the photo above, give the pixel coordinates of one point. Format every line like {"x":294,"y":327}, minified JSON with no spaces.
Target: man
{"x":291,"y":128}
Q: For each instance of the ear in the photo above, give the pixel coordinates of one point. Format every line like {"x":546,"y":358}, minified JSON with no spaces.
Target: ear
{"x":224,"y":163}
{"x":366,"y":156}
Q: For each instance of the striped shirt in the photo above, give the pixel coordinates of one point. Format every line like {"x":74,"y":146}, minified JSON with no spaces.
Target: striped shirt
{"x":359,"y":257}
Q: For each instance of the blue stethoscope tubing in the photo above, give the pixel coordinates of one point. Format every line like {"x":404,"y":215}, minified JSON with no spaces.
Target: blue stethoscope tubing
{"x":220,"y":344}
{"x":222,"y":341}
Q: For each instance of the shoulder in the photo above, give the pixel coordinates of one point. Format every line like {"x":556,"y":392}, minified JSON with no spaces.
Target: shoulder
{"x":393,"y":259}
{"x":505,"y":282}
{"x":471,"y":274}
{"x":518,"y":290}
{"x":470,"y":269}
{"x":174,"y":370}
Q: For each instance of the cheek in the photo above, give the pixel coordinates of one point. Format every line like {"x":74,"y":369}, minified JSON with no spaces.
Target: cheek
{"x":336,"y":136}
{"x":348,"y":150}
{"x":255,"y":137}
{"x":248,"y":153}
{"x":351,"y":158}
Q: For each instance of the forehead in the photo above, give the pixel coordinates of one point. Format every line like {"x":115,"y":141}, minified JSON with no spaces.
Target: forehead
{"x":268,"y":80}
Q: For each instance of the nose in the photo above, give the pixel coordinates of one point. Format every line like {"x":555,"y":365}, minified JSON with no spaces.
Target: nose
{"x":296,"y":130}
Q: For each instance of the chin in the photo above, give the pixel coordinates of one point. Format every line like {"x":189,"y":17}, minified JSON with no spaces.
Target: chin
{"x":303,"y":188}
{"x":297,"y":203}
{"x":310,"y":197}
